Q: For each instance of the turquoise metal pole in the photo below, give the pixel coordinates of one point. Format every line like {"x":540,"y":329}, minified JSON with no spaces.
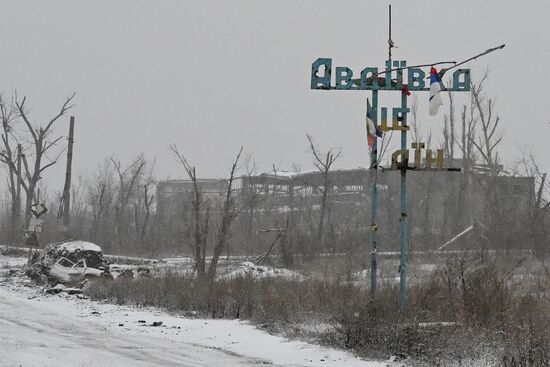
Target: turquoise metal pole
{"x":403,"y":219}
{"x":374,"y":197}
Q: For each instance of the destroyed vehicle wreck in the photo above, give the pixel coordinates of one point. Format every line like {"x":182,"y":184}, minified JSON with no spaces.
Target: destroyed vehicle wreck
{"x":68,"y":262}
{"x":64,"y":269}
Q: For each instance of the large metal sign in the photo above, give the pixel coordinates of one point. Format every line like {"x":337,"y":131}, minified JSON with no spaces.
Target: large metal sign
{"x":392,"y":79}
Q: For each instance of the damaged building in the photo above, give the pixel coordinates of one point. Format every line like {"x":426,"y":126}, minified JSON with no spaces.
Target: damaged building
{"x":440,"y":203}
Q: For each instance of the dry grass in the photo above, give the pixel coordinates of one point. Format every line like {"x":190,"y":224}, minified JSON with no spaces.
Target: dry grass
{"x":493,"y":311}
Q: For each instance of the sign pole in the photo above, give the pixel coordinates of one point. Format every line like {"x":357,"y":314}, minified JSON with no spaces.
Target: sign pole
{"x":374,"y":178}
{"x":374,"y":198}
{"x":393,"y":80}
{"x":403,"y":219}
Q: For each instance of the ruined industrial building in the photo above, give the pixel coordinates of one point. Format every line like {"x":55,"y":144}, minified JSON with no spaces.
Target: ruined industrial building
{"x":440,"y":204}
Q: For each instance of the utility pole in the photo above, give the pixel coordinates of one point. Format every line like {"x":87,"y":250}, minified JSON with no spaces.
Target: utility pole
{"x":68,"y":171}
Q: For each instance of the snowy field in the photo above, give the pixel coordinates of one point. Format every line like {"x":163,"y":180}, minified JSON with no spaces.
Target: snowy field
{"x":61,"y":330}
{"x":10,"y":263}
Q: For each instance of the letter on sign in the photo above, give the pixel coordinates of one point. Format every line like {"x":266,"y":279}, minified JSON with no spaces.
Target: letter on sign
{"x":416,"y":79}
{"x":343,"y":78}
{"x":317,"y":81}
{"x":461,"y":80}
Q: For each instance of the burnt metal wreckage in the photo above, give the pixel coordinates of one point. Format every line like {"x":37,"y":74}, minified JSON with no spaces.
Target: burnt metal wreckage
{"x":69,"y":262}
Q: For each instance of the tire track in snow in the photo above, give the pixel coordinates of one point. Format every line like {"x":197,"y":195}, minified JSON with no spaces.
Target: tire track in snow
{"x":35,"y":336}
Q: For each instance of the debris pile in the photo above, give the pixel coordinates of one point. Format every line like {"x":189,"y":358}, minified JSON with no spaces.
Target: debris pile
{"x":68,"y":262}
{"x":250,"y":270}
{"x":130,"y":271}
{"x":59,"y":288}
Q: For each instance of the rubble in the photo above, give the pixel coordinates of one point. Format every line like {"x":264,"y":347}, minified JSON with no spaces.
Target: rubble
{"x":68,"y":262}
{"x":248,"y":269}
{"x":55,"y":290}
{"x":130,"y":271}
{"x":61,"y":288}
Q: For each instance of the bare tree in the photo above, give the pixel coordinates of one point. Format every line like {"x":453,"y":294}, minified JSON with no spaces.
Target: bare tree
{"x":12,"y":159}
{"x":128,"y":179}
{"x":143,"y":207}
{"x":100,"y":197}
{"x":41,"y":145}
{"x":468,"y":136}
{"x":121,"y":202}
{"x":80,"y":208}
{"x":148,"y":199}
{"x":489,"y":137}
{"x":323,"y":162}
{"x":415,"y":126}
{"x":449,"y":128}
{"x":228,"y":214}
{"x":251,"y":193}
{"x":200,"y":216}
{"x":538,"y":213}
{"x":485,"y":142}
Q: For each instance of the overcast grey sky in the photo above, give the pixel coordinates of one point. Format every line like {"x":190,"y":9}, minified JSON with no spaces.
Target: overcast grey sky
{"x":211,"y":76}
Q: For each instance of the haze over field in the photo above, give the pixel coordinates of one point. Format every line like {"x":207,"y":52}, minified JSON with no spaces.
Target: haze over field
{"x":212,"y":76}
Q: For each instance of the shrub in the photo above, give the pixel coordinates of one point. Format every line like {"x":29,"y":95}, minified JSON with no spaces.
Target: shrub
{"x":470,"y":310}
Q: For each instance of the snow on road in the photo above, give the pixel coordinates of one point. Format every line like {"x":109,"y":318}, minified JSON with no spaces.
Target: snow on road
{"x":60,"y":330}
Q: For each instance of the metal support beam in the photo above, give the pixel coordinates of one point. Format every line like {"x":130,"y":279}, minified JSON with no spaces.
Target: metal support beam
{"x":403,"y":219}
{"x":374,"y":199}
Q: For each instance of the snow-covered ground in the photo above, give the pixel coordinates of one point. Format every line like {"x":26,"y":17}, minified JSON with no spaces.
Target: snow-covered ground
{"x":248,"y":269}
{"x":9,"y":263}
{"x":61,"y":330}
{"x":12,"y":261}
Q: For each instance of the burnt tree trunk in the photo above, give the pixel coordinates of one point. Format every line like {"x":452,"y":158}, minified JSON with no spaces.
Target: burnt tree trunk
{"x":67,"y":187}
